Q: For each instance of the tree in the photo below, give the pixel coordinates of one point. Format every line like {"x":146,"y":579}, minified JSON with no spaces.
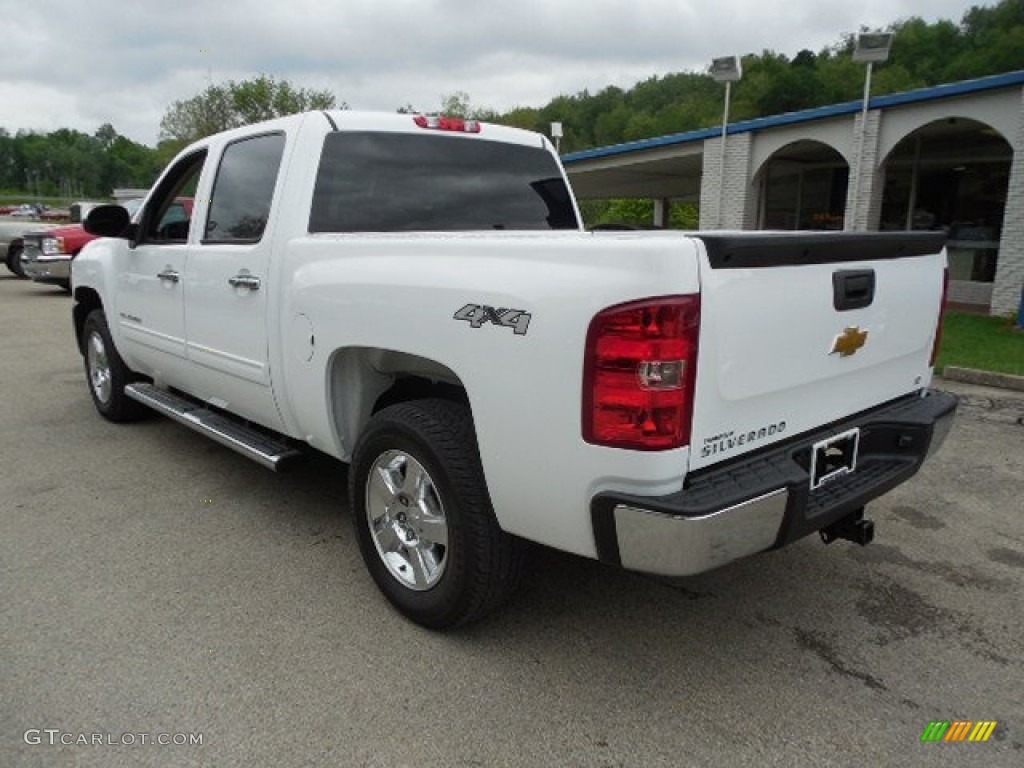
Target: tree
{"x":264,"y":98}
{"x":457,"y":104}
{"x":233,"y":104}
{"x":11,"y":176}
{"x":105,"y":135}
{"x":130,"y":164}
{"x":207,"y":113}
{"x":636,"y":212}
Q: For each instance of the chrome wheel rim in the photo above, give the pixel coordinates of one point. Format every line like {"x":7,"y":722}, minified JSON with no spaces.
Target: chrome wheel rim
{"x":99,"y":368}
{"x":407,"y":520}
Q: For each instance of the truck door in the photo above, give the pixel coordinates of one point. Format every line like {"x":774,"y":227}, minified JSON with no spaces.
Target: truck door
{"x":150,"y":283}
{"x":228,"y":282}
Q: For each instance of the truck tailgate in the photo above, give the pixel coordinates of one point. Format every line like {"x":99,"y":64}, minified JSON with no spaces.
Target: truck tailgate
{"x":800,"y":330}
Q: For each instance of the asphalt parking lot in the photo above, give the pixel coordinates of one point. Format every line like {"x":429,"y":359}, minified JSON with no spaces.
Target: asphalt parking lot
{"x":157,"y":584}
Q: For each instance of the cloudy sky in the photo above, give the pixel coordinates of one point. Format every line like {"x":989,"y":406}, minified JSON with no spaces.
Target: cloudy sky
{"x":82,"y":64}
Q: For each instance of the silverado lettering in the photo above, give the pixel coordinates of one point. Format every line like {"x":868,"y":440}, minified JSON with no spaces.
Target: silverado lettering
{"x":728,"y":441}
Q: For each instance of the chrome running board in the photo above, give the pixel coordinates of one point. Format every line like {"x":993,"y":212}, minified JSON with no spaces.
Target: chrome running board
{"x":261,"y":447}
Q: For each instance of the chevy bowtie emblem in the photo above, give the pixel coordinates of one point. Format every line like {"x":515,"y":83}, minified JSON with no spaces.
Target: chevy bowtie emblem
{"x":849,"y":341}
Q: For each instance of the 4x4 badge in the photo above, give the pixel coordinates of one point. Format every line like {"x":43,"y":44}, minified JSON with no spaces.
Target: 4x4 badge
{"x":849,"y":341}
{"x":476,"y":315}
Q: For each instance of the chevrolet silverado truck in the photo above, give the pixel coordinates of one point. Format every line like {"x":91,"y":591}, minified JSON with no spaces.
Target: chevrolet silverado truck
{"x":416,"y":297}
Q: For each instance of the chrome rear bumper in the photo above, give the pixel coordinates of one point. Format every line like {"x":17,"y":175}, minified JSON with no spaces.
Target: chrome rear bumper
{"x":766,"y":501}
{"x":680,"y":546}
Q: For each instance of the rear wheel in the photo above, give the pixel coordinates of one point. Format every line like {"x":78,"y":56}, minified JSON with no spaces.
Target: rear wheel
{"x":423,"y":518}
{"x":106,"y":372}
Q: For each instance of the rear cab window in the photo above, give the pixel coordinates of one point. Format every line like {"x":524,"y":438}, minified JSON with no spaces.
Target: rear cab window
{"x":398,"y":182}
{"x":244,"y":189}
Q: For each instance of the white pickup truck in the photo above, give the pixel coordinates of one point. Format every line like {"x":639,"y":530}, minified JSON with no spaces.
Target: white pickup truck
{"x":415,"y":296}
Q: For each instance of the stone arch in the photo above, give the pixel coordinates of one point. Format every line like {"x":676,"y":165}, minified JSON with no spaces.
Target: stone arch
{"x":1000,"y":115}
{"x":802,"y":185}
{"x":952,"y":174}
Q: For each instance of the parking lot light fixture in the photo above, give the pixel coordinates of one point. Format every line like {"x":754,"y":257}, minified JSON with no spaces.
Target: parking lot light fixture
{"x":556,"y":134}
{"x":728,"y":70}
{"x":871,"y":47}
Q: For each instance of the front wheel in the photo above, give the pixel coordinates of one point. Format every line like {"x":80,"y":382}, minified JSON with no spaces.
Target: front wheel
{"x":423,"y":518}
{"x":14,"y":254}
{"x":107,"y":373}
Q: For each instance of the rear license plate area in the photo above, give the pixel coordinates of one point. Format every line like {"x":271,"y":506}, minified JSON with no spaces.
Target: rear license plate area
{"x":834,"y":457}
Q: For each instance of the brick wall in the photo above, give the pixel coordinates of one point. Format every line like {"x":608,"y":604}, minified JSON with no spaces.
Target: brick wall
{"x":864,"y":212}
{"x":1010,"y":268}
{"x":966,"y":292}
{"x":738,"y":198}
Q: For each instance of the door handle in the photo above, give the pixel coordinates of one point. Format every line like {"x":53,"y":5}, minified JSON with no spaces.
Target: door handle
{"x":244,"y":280}
{"x":853,"y":289}
{"x":169,"y":274}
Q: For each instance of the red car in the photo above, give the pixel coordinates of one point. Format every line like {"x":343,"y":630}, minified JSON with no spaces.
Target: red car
{"x":46,"y":255}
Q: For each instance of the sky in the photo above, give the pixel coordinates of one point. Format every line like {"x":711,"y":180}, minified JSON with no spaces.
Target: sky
{"x":82,"y":64}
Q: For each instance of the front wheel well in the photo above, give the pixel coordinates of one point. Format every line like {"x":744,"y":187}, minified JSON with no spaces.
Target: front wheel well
{"x":86,"y":300}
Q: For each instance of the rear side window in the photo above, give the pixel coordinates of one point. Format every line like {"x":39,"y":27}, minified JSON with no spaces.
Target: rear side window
{"x":244,"y":190}
{"x":396,"y":182}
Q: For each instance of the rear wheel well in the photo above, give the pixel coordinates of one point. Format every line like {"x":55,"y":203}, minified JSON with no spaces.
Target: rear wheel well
{"x":408,"y":388}
{"x":363,"y":381}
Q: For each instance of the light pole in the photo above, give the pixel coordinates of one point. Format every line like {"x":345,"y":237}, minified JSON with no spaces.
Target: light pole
{"x":871,"y":47}
{"x":726,"y":70}
{"x":556,"y":134}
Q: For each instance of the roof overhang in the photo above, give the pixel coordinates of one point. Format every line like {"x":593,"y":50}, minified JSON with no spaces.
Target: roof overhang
{"x":669,"y":172}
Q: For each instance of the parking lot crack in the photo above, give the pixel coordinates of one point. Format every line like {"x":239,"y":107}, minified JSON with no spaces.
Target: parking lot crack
{"x":823,"y":646}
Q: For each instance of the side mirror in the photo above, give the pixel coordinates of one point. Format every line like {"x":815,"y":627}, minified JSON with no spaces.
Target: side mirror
{"x":107,"y":221}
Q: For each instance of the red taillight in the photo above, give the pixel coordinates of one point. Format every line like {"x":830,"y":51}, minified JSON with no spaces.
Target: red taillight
{"x":439,"y":123}
{"x":942,"y":316}
{"x":639,"y":372}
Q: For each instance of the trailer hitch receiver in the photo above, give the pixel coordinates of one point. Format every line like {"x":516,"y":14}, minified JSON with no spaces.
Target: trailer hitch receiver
{"x":854,"y":527}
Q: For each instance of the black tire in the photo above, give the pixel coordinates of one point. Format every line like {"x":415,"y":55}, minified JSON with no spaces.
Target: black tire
{"x":14,"y":252}
{"x":105,"y":372}
{"x":479,"y":564}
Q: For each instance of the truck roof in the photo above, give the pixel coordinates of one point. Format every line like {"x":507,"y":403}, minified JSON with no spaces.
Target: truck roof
{"x":353,"y":120}
{"x":392,"y":122}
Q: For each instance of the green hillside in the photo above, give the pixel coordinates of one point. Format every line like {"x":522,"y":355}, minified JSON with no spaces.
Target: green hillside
{"x":986,"y":41}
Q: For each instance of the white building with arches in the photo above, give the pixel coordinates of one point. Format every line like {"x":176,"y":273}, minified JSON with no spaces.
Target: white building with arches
{"x":949,"y":157}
